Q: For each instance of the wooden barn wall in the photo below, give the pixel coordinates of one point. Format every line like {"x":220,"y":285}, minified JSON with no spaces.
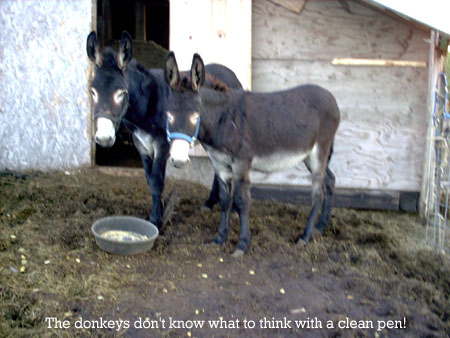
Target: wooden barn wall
{"x":219,"y":30}
{"x":380,"y":143}
{"x":222,"y":35}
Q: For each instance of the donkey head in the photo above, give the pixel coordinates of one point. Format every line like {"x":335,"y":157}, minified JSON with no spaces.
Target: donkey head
{"x":183,"y":107}
{"x":109,"y":88}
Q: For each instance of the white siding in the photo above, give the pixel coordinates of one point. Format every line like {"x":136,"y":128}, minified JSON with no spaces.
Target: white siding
{"x":44,"y":106}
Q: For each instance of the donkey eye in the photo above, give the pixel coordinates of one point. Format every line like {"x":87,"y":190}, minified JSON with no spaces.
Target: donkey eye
{"x":94,"y":95}
{"x":170,"y":117}
{"x":194,"y":118}
{"x":119,"y":94}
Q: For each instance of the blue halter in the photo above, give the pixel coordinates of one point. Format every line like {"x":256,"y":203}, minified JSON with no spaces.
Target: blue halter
{"x":182,"y":136}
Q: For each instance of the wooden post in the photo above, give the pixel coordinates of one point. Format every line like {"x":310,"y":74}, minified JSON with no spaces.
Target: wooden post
{"x":91,"y":124}
{"x":140,"y":20}
{"x":106,"y":12}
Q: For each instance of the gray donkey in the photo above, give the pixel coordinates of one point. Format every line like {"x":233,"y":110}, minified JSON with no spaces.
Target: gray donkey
{"x":244,"y":131}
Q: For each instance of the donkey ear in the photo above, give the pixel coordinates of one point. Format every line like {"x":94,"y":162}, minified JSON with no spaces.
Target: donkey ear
{"x":197,"y":72}
{"x":171,"y":72}
{"x":92,"y":49}
{"x":125,"y":50}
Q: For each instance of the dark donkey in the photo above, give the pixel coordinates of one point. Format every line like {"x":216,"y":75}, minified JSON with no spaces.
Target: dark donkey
{"x":123,"y":90}
{"x":244,"y":131}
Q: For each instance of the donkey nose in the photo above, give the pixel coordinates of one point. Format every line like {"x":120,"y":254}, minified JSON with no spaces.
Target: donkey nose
{"x":104,"y":141}
{"x":179,"y":153}
{"x":178,"y":163}
{"x":105,"y":134}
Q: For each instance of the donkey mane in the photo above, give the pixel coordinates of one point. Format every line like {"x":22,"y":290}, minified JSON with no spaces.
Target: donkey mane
{"x":211,"y":82}
{"x":215,"y":84}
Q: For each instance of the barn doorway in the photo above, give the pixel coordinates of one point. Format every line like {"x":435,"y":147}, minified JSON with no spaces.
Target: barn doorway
{"x":147,"y":21}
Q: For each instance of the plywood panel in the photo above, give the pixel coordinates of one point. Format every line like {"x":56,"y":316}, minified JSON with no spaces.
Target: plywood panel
{"x":361,"y":160}
{"x":368,"y":94}
{"x":293,"y":5}
{"x":380,"y":141}
{"x":325,"y":29}
{"x":219,"y":30}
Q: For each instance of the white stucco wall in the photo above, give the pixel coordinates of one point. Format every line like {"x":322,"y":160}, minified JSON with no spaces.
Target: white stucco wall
{"x":44,"y":104}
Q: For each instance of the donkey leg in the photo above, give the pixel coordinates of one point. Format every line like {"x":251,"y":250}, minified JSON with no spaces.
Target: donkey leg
{"x":317,"y":196}
{"x":213,"y":198}
{"x":225,"y":193}
{"x":156,"y":187}
{"x":325,"y":216}
{"x":147,"y":161}
{"x":242,"y":200}
{"x":213,"y":195}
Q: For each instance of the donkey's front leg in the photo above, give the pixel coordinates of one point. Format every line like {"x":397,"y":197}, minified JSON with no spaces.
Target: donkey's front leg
{"x":225,"y":193}
{"x":156,"y":183}
{"x":147,"y":161}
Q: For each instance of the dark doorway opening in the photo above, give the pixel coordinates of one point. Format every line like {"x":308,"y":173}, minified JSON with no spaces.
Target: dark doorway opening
{"x":147,"y":21}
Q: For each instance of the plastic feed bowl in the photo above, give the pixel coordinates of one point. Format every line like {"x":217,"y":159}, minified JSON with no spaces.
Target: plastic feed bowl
{"x":124,"y":235}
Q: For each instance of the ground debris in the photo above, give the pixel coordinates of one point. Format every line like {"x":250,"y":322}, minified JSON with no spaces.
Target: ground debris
{"x":378,"y":258}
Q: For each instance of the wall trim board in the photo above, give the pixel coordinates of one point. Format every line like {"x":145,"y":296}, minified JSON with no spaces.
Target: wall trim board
{"x":343,"y":198}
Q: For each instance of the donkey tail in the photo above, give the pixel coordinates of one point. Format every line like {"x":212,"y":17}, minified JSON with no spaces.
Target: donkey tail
{"x":331,"y":153}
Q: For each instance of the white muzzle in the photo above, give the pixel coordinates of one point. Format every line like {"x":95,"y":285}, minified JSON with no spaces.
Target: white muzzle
{"x":179,"y":153}
{"x":105,"y":134}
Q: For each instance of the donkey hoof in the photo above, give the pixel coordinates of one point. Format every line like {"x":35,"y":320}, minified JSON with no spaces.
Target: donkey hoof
{"x":205,"y":209}
{"x":316,"y":233}
{"x":301,"y":242}
{"x":237,"y":253}
{"x":219,"y":240}
{"x":234,"y":216}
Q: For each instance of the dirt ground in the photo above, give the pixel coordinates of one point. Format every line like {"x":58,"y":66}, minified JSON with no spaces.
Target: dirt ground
{"x":369,"y":275}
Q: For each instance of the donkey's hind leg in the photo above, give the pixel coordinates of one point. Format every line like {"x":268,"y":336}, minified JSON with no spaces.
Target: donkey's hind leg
{"x":325,"y":215}
{"x":213,"y":195}
{"x":242,"y":200}
{"x":317,"y":166}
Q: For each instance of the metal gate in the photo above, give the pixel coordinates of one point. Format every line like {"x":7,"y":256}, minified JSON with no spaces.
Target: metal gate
{"x":437,"y":231}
